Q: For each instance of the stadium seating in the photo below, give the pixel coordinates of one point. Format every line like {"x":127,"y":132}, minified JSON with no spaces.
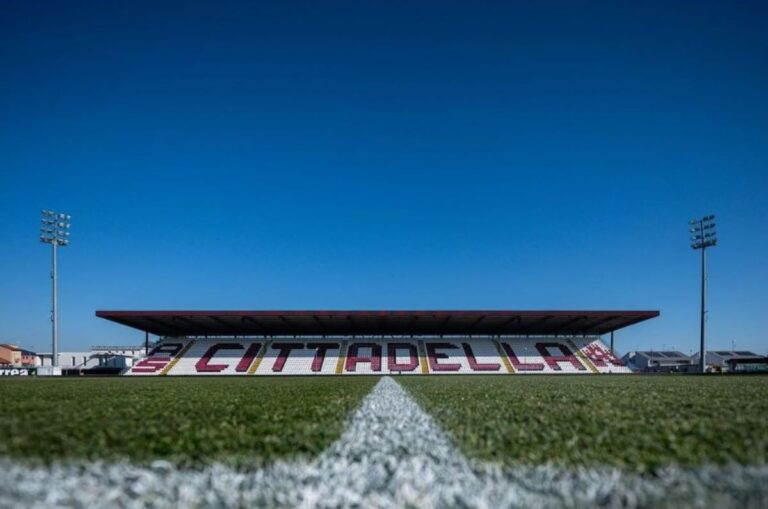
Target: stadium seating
{"x":324,"y":356}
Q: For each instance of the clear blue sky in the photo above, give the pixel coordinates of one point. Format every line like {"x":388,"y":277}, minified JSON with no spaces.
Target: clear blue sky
{"x":257,"y":155}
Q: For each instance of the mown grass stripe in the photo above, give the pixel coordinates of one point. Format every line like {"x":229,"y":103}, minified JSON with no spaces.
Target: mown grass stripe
{"x":186,"y":420}
{"x":600,"y":416}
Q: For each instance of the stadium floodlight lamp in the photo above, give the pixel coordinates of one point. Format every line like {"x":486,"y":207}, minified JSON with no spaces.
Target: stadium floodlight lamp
{"x":704,"y":236}
{"x":54,"y":231}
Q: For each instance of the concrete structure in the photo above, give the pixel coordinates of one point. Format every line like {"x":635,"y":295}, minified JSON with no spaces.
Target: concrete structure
{"x":651,"y":361}
{"x":117,"y":357}
{"x":66,"y":359}
{"x":124,"y":350}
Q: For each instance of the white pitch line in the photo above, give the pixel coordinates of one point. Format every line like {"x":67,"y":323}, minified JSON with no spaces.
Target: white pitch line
{"x":391,"y":454}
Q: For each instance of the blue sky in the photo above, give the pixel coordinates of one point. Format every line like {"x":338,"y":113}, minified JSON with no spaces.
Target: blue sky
{"x":437,"y":155}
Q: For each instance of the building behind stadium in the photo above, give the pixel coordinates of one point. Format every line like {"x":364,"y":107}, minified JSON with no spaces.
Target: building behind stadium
{"x":718,"y":361}
{"x":97,"y":360}
{"x":15,"y":356}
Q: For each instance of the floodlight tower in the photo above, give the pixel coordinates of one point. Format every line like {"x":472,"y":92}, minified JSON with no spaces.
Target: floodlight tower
{"x":703,"y":235}
{"x":54,"y":231}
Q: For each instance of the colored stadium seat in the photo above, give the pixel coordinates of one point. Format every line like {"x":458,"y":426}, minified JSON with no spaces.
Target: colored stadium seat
{"x":262,"y":356}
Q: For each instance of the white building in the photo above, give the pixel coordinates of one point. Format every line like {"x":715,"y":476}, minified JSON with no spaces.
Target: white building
{"x":97,"y":357}
{"x":722,"y":360}
{"x":666,"y":361}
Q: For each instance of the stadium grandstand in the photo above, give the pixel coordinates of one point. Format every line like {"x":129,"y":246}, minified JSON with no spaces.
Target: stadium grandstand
{"x":380,"y":342}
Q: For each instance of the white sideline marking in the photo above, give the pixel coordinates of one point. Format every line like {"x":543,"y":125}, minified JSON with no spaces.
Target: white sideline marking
{"x":391,"y":454}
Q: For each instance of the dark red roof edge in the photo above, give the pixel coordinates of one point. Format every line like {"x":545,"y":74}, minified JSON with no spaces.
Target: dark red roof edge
{"x":337,"y":312}
{"x":376,"y":322}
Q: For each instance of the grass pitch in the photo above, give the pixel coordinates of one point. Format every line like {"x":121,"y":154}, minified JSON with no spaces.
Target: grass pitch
{"x":189,"y":421}
{"x":391,"y":453}
{"x":637,"y":423}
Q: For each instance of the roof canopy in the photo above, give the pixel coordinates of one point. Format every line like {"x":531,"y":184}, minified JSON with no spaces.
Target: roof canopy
{"x":362,"y":323}
{"x":665,"y":356}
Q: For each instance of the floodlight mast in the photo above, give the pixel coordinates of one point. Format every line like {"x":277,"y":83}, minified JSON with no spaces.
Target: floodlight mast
{"x":703,"y":235}
{"x":54,"y":231}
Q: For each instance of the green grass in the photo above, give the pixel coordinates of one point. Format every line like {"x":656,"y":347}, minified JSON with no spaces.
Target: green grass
{"x":633,"y":422}
{"x":187,"y":420}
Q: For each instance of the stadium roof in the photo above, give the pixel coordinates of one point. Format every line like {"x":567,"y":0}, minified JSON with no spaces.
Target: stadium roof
{"x":362,"y":323}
